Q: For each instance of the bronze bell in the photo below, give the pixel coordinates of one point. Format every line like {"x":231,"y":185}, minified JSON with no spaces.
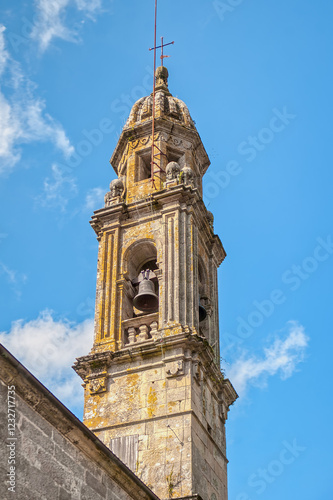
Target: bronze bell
{"x":146,"y":300}
{"x":202,"y":313}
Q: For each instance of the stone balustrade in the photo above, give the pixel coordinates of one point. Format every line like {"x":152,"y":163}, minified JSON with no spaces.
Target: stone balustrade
{"x":140,"y":329}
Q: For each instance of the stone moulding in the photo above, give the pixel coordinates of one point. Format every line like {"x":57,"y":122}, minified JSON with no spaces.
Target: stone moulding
{"x":94,"y":368}
{"x":180,"y":193}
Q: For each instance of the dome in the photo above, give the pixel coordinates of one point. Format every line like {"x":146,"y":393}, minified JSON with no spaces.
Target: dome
{"x":165,"y":105}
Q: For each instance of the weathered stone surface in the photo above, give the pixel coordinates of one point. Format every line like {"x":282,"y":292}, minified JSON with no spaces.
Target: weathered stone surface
{"x":171,"y":417}
{"x":53,"y":465}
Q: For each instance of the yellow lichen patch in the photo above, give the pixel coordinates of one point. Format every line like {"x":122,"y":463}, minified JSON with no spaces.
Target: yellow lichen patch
{"x":172,"y":405}
{"x":132,"y":380}
{"x":151,"y":402}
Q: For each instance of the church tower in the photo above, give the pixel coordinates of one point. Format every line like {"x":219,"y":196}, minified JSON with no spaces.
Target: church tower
{"x":154,"y":391}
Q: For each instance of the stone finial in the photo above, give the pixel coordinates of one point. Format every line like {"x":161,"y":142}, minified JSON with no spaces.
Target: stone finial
{"x":172,"y":171}
{"x":116,"y":188}
{"x":210,"y":219}
{"x":108,"y":199}
{"x":161,"y":78}
{"x":187,"y":176}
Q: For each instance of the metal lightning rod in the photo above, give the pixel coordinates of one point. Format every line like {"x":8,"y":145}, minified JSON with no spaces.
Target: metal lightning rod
{"x":153,"y":114}
{"x":153,"y":146}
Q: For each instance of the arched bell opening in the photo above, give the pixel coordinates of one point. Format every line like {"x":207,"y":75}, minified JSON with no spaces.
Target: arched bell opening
{"x":137,"y":256}
{"x":139,"y":266}
{"x":204,"y":302}
{"x":146,"y":300}
{"x":140,"y":262}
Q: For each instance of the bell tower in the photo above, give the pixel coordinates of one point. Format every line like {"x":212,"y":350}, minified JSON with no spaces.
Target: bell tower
{"x":154,"y":391}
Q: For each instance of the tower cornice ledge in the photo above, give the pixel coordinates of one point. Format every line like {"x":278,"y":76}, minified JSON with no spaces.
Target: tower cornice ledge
{"x":161,"y":202}
{"x":103,"y":215}
{"x":230,"y":394}
{"x":192,"y":346}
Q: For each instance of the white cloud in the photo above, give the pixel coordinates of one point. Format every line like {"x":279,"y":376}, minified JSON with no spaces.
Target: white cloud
{"x":9,"y":131}
{"x":52,"y":18}
{"x":3,"y":52}
{"x":50,"y":23}
{"x":14,"y":278}
{"x":48,"y":348}
{"x":23,"y":116}
{"x":95,"y":199}
{"x":57,"y":190}
{"x":282,"y":358}
{"x":9,"y":273}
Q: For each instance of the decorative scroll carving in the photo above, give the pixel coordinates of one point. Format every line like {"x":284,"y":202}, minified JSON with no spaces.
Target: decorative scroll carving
{"x":196,"y":371}
{"x":174,"y":368}
{"x":97,"y":385}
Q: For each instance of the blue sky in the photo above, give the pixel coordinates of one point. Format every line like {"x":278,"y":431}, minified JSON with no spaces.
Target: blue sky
{"x":257,"y":78}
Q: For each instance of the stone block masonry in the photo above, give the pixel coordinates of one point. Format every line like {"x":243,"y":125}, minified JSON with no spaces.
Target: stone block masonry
{"x":57,"y":457}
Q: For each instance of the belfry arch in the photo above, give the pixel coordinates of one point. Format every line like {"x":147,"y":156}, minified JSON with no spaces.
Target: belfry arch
{"x":136,"y":255}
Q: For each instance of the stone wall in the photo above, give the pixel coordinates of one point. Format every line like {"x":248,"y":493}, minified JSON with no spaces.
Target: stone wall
{"x":55,"y":456}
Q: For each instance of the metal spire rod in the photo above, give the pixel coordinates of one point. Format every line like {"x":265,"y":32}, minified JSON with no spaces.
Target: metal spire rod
{"x":153,"y":146}
{"x":153,"y":114}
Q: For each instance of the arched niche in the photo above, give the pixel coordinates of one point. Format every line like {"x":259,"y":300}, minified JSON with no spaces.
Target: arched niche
{"x":204,"y":297}
{"x":139,"y":256}
{"x":203,"y":280}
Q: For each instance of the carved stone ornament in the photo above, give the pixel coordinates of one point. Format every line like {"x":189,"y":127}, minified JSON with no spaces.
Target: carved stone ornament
{"x":223,"y":412}
{"x":172,"y":174}
{"x":210,"y":219}
{"x":197,"y":371}
{"x":187,"y":176}
{"x":161,"y":77}
{"x":114,"y":195}
{"x":172,"y":171}
{"x":116,"y":188}
{"x":97,"y":385}
{"x":108,"y":199}
{"x":174,"y":368}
